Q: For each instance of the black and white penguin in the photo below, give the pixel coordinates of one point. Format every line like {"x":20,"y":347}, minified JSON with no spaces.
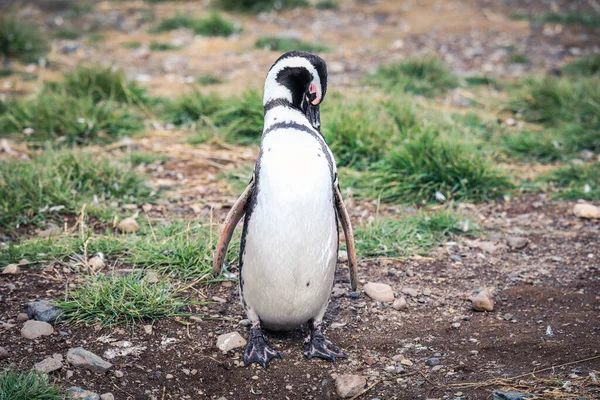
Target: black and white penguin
{"x":289,"y":246}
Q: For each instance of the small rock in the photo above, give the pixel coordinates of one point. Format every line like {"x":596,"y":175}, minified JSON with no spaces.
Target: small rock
{"x":379,"y":292}
{"x":34,"y":329}
{"x":22,"y":317}
{"x":437,"y":368}
{"x":410,"y":291}
{"x":482,"y":302}
{"x":169,"y":376}
{"x":3,"y":353}
{"x":11,"y":269}
{"x":151,"y":277}
{"x":585,"y":210}
{"x":426,"y":292}
{"x":81,"y":358}
{"x":107,"y":396}
{"x":398,"y":358}
{"x":400,"y":304}
{"x":456,"y":325}
{"x":42,"y":310}
{"x":338,"y":292}
{"x":350,"y":385}
{"x":97,"y":262}
{"x":219,"y":299}
{"x":488,"y":247}
{"x":230,"y":341}
{"x":510,"y":395}
{"x":407,"y":362}
{"x":119,"y":374}
{"x":456,"y":258}
{"x":516,"y":242}
{"x":148,"y":329}
{"x":432,"y":362}
{"x":77,"y":393}
{"x":128,"y":225}
{"x":49,"y":364}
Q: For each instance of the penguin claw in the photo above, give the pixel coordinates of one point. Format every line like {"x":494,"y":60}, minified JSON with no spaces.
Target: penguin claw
{"x":320,"y":347}
{"x":258,"y":351}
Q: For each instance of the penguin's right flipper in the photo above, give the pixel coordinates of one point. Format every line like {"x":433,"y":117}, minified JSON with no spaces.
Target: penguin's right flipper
{"x":349,"y":234}
{"x":233,"y":217}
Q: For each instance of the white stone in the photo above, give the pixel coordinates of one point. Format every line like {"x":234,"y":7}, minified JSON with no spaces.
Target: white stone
{"x":400,"y":304}
{"x":585,"y":210}
{"x":379,"y":292}
{"x":482,"y":302}
{"x":350,"y":385}
{"x":230,"y":341}
{"x":34,"y":329}
{"x":128,"y":225}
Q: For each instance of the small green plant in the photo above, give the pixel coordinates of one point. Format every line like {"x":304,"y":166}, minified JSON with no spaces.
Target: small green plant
{"x":545,"y":146}
{"x":428,"y":165}
{"x":591,"y":19}
{"x":67,"y":119}
{"x":20,"y":40}
{"x":481,"y":81}
{"x":161,"y":46}
{"x":574,"y":181}
{"x":585,"y":66}
{"x":132,"y":45}
{"x":205,"y":80}
{"x":67,"y":33}
{"x":192,"y":108}
{"x":518,"y":58}
{"x":256,"y":6}
{"x":411,"y":235}
{"x":283,"y":45}
{"x":5,"y":72}
{"x":113,"y":300}
{"x":59,"y":182}
{"x":213,"y":25}
{"x":29,"y":385}
{"x":424,"y":76}
{"x":140,"y":157}
{"x":327,"y":5}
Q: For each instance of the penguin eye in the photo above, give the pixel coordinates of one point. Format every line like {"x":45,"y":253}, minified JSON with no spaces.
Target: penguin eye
{"x":313,"y":96}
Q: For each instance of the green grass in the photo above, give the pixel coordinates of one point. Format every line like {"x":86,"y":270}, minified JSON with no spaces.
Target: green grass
{"x":63,"y":118}
{"x":569,"y":182}
{"x":132,"y":45}
{"x":327,"y":5}
{"x":411,"y":235}
{"x":590,"y":19}
{"x":140,"y":157}
{"x":180,"y":249}
{"x":63,"y":178}
{"x":29,"y":385}
{"x":5,"y":72}
{"x":114,"y":300}
{"x":161,"y":46}
{"x":571,"y":106}
{"x":472,"y":81}
{"x":518,"y":58}
{"x":256,"y":6}
{"x":205,"y":80}
{"x":585,"y":66}
{"x":283,"y":45}
{"x":66,"y":33}
{"x":428,"y":163}
{"x":20,"y":40}
{"x":424,"y":76}
{"x":213,"y":25}
{"x":544,"y":146}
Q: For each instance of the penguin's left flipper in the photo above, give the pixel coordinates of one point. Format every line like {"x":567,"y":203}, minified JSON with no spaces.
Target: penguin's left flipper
{"x":348,"y":233}
{"x":233,"y":217}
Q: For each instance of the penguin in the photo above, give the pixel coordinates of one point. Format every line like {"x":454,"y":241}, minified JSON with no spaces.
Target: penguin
{"x":291,"y":207}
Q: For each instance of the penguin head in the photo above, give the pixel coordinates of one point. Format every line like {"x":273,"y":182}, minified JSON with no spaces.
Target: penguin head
{"x":301,"y":79}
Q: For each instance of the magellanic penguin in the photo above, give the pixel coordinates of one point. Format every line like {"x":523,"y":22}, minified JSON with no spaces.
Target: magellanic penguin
{"x":289,"y":246}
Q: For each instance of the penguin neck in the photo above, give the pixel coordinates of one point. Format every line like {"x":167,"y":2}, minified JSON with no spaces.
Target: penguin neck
{"x":281,"y":111}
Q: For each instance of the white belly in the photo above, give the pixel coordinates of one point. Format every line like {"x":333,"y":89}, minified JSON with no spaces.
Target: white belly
{"x":291,"y":239}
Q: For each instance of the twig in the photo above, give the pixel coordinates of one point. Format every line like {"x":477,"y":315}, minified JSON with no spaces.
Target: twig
{"x":365,"y":391}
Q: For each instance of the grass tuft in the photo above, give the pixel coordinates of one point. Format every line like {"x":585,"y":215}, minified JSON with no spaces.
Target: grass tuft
{"x":412,"y":235}
{"x":274,"y":43}
{"x":256,"y":6}
{"x":64,"y":180}
{"x":161,"y":46}
{"x":424,"y":76}
{"x":20,"y":40}
{"x":29,"y":385}
{"x":518,"y":58}
{"x":573,"y":182}
{"x":544,"y":146}
{"x":114,"y":300}
{"x":591,"y":20}
{"x":67,"y":33}
{"x":428,"y":164}
{"x":327,"y":5}
{"x":585,"y":66}
{"x":205,"y":80}
{"x":213,"y":25}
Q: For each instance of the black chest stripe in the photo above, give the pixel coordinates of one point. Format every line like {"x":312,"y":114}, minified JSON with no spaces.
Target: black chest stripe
{"x":278,"y":103}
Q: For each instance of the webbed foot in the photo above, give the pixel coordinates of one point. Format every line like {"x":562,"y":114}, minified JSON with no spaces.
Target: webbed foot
{"x":257,"y":349}
{"x":317,"y":346}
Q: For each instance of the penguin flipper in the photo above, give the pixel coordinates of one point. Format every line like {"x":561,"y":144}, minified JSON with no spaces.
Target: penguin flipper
{"x":233,"y":217}
{"x":349,"y":234}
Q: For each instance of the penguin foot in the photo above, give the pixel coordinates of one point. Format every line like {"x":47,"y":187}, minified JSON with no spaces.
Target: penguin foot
{"x":257,"y":349}
{"x":317,"y":346}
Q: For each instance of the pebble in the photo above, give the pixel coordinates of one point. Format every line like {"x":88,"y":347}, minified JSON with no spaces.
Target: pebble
{"x":77,"y":393}
{"x":107,"y":396}
{"x":510,"y":395}
{"x":151,"y":277}
{"x":97,"y":262}
{"x":119,"y":374}
{"x":482,"y":302}
{"x":488,"y":247}
{"x":412,"y":292}
{"x":426,"y":292}
{"x":128,"y":225}
{"x":42,"y":310}
{"x":353,"y":295}
{"x":148,"y":329}
{"x":22,"y":317}
{"x":517,"y":242}
{"x":49,"y":364}
{"x":585,"y":210}
{"x":456,"y":325}
{"x":11,"y":269}
{"x":3,"y":353}
{"x":407,"y":362}
{"x":34,"y":329}
{"x":437,"y":368}
{"x":338,"y":292}
{"x":169,"y":376}
{"x":456,"y":258}
{"x":379,"y":292}
{"x":432,"y":362}
{"x":350,"y":385}
{"x":81,"y":358}
{"x":400,"y":304}
{"x":230,"y":341}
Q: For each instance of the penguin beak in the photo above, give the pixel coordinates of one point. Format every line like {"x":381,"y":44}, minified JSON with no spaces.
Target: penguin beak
{"x":313,"y":113}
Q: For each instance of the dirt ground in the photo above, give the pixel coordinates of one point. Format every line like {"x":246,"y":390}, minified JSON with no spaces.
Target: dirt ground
{"x":543,"y":336}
